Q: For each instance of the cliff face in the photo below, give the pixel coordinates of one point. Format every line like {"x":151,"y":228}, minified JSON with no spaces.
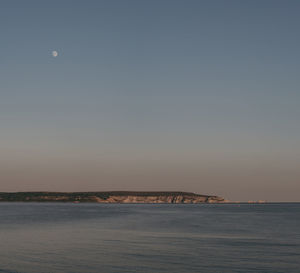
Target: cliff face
{"x":111,"y":197}
{"x":161,"y":199}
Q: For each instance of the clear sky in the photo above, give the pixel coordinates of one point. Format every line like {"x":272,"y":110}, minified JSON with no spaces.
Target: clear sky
{"x":174,"y":95}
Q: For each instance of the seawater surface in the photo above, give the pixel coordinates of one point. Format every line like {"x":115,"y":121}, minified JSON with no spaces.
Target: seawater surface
{"x":208,"y":238}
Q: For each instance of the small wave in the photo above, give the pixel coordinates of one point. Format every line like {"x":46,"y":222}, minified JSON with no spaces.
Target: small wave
{"x":8,"y":271}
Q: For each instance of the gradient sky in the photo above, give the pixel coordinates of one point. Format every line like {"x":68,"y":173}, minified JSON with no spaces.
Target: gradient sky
{"x":198,"y":96}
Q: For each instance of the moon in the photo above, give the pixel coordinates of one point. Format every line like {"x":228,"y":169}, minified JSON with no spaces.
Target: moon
{"x":54,"y":53}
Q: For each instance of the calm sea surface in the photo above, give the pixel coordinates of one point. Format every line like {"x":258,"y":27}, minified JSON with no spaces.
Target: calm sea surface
{"x":50,"y":238}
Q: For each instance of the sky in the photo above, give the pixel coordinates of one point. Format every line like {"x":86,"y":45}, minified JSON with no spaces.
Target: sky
{"x":197,"y":96}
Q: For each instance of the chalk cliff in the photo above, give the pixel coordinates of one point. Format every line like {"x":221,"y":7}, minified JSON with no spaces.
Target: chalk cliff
{"x":181,"y":198}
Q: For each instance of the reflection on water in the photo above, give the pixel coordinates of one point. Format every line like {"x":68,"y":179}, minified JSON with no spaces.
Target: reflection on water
{"x":220,"y":238}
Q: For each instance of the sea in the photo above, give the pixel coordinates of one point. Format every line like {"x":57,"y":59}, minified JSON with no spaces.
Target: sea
{"x":150,"y":238}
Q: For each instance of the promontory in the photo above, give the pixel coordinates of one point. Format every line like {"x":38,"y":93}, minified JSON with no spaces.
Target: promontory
{"x":111,"y":197}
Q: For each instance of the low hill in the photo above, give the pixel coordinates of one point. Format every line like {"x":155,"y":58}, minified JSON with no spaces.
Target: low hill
{"x":110,"y":197}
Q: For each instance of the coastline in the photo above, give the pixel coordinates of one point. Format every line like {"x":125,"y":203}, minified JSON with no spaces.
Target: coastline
{"x":119,"y":197}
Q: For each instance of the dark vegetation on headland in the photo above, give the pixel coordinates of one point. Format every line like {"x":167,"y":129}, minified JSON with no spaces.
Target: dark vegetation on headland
{"x":110,"y":197}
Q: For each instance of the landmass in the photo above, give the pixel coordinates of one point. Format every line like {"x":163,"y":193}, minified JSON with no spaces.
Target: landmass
{"x":111,"y":197}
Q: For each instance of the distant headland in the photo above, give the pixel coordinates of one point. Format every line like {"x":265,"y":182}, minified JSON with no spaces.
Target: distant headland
{"x":112,"y":197}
